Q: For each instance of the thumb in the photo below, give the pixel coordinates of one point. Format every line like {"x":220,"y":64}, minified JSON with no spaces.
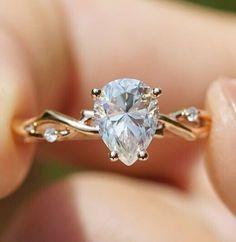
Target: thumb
{"x":221,"y":100}
{"x":16,"y":99}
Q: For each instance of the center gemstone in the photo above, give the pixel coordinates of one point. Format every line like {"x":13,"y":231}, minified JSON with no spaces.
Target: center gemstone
{"x":126,"y":113}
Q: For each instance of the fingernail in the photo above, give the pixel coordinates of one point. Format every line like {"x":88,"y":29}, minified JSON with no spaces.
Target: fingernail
{"x":229,"y":91}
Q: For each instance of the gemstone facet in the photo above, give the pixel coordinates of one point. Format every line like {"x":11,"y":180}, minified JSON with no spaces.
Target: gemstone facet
{"x":192,"y":114}
{"x":126,"y":113}
{"x":50,"y":134}
{"x":30,"y":128}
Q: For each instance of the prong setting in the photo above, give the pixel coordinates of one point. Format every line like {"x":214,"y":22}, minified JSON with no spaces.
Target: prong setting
{"x":64,"y":132}
{"x":145,"y":97}
{"x":160,"y":126}
{"x":143,"y":155}
{"x":50,"y":135}
{"x":96,"y":92}
{"x":113,"y":156}
{"x":123,"y":107}
{"x":30,"y":129}
{"x":192,"y":114}
{"x":157,"y":91}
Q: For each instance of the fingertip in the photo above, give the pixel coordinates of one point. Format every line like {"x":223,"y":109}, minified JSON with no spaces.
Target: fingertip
{"x":221,"y":100}
{"x":16,"y":100}
{"x":101,"y":207}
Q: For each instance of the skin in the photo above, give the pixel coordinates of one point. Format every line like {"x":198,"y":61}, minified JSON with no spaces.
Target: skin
{"x":54,"y":52}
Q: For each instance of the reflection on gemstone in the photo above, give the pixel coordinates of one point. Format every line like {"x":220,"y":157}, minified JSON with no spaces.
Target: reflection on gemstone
{"x":50,"y":134}
{"x":126,"y":112}
{"x":192,"y":114}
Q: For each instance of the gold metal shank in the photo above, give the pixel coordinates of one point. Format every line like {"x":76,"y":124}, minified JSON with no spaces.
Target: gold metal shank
{"x":69,"y":128}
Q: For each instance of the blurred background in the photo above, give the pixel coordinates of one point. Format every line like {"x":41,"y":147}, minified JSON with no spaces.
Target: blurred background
{"x":43,"y":173}
{"x":227,"y":5}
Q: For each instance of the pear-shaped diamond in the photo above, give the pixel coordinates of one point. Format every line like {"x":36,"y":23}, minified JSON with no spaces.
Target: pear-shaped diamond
{"x":126,"y":113}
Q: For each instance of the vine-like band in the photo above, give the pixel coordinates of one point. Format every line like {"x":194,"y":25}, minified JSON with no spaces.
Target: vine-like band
{"x":125,"y":115}
{"x":189,"y":123}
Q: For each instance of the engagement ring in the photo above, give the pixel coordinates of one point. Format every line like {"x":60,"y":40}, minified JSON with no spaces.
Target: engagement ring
{"x":125,"y":115}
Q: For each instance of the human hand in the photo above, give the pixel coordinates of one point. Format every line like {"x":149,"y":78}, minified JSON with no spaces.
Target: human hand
{"x":54,"y":53}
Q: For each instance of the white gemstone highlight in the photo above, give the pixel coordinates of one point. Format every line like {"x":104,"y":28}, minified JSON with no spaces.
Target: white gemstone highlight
{"x":192,"y":114}
{"x":30,"y":128}
{"x":50,"y":134}
{"x":127,"y":115}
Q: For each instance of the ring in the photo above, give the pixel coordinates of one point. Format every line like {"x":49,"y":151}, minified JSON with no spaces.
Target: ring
{"x":125,"y":115}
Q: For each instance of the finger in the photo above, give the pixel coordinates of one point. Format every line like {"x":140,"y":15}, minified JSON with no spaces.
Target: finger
{"x":170,"y":45}
{"x":28,"y":62}
{"x":37,"y":26}
{"x":16,"y":99}
{"x":221,"y":155}
{"x":89,"y":208}
{"x":178,"y":48}
{"x":93,"y":46}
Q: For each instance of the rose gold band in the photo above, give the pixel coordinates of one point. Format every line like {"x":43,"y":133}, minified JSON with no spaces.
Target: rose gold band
{"x":189,"y":123}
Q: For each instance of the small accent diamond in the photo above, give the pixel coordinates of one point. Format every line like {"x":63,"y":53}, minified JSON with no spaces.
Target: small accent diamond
{"x":30,"y":128}
{"x":50,"y":134}
{"x":192,"y":114}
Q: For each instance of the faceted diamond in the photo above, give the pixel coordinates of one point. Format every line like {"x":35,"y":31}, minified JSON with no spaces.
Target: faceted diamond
{"x":192,"y":114}
{"x":126,"y":113}
{"x":29,"y":128}
{"x":50,"y":134}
